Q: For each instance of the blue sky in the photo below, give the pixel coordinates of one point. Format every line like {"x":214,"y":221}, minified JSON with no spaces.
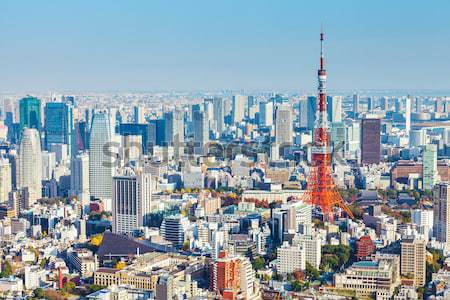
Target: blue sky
{"x":222,"y":44}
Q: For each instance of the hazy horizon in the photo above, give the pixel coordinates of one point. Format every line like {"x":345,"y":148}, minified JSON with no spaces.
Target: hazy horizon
{"x":222,"y":45}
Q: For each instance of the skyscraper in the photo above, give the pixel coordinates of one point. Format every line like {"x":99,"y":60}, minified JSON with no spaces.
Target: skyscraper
{"x":266,"y":113}
{"x":30,"y":113}
{"x":355,"y":105}
{"x":5,"y":180}
{"x":429,"y":173}
{"x":101,"y":157}
{"x":174,"y":126}
{"x":408,"y":115}
{"x":441,"y":212}
{"x":132,"y":195}
{"x":30,"y":164}
{"x":79,"y":177}
{"x":413,"y":260}
{"x":238,"y":111}
{"x":59,"y":128}
{"x":417,"y":137}
{"x":201,"y":132}
{"x":311,"y":112}
{"x":339,"y":140}
{"x":219,"y":114}
{"x":138,"y":115}
{"x":334,"y":107}
{"x":370,"y":141}
{"x":283,"y":124}
{"x":370,"y":104}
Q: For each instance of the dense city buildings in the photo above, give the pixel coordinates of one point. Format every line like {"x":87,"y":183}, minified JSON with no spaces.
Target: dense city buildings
{"x":225,"y":193}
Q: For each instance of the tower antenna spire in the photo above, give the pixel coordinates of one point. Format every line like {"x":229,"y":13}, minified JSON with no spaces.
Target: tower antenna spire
{"x":322,"y":37}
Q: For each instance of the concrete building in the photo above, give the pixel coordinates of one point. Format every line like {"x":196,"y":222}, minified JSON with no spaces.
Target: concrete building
{"x":238,"y":110}
{"x":132,"y":196}
{"x":219,"y":114}
{"x":30,"y":162}
{"x":423,"y":219}
{"x":290,"y":258}
{"x":84,"y":261}
{"x":312,"y":243}
{"x":283,"y":124}
{"x":413,"y":260}
{"x":266,"y":113}
{"x":172,"y":230}
{"x":441,"y":212}
{"x":101,"y":162}
{"x":5,"y":180}
{"x":370,"y":141}
{"x":201,"y":132}
{"x":370,"y":279}
{"x":79,"y":177}
{"x":430,"y":173}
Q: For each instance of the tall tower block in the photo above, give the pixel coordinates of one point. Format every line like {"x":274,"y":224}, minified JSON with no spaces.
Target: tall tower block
{"x":321,"y":190}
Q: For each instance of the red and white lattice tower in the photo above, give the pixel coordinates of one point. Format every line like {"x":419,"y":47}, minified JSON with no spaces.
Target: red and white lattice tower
{"x":321,"y":189}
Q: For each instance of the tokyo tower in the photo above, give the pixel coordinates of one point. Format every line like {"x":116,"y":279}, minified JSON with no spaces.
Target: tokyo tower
{"x":321,"y":190}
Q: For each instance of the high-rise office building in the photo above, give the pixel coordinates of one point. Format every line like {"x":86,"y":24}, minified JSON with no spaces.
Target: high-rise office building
{"x":370,"y":141}
{"x":311,"y":112}
{"x":408,"y":115}
{"x":334,"y":108}
{"x":138,"y":115}
{"x":238,"y":111}
{"x":30,"y":164}
{"x":79,"y":177}
{"x":355,"y":105}
{"x":101,"y":157}
{"x":30,"y":113}
{"x":132,"y":195}
{"x":266,"y":113}
{"x":339,"y":140}
{"x":59,"y":128}
{"x":48,"y":164}
{"x":132,"y":148}
{"x":423,"y":219}
{"x":417,"y":137}
{"x":429,"y":166}
{"x":441,"y":212}
{"x":370,"y":104}
{"x":80,"y":139}
{"x":174,"y":126}
{"x":413,"y":260}
{"x":172,"y":230}
{"x":201,"y":132}
{"x":219,"y":114}
{"x":418,"y":105}
{"x":384,"y":103}
{"x":283,"y":124}
{"x":5,"y":180}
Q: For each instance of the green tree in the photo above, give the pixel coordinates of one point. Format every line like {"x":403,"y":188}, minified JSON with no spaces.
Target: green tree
{"x":335,"y":256}
{"x":259,"y":263}
{"x":39,"y":293}
{"x":7,"y":270}
{"x":68,"y":287}
{"x":94,"y":288}
{"x":311,"y":272}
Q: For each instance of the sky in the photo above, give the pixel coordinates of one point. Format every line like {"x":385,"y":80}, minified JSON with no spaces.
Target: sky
{"x":145,"y":45}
